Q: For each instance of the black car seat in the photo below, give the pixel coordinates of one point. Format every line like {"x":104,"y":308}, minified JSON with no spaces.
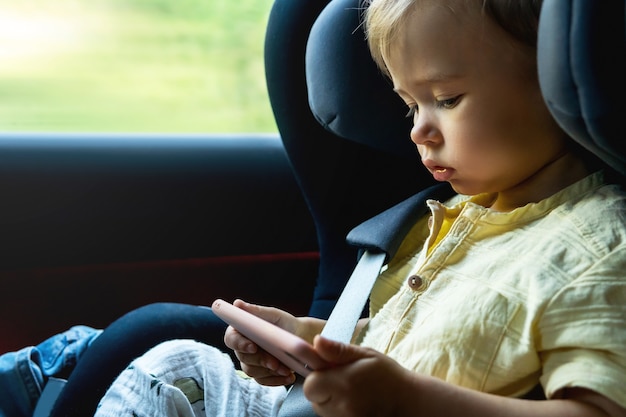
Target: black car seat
{"x":581,"y":58}
{"x":351,"y":154}
{"x":347,"y":139}
{"x":345,"y":179}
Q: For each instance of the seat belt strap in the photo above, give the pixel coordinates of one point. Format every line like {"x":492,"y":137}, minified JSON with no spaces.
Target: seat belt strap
{"x":340,"y":325}
{"x":344,"y":317}
{"x":49,"y":395}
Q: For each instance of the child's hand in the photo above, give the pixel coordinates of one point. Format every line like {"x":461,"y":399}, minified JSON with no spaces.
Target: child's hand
{"x":363,"y":382}
{"x":257,"y":363}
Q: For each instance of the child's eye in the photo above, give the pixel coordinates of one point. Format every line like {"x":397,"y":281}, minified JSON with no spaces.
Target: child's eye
{"x":412,"y":111}
{"x":448,"y":103}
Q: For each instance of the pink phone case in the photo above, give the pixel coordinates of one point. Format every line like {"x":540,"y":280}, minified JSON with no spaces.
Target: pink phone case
{"x":293,"y":351}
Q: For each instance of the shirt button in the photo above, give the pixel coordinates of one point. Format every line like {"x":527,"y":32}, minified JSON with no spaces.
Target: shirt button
{"x":416,"y":282}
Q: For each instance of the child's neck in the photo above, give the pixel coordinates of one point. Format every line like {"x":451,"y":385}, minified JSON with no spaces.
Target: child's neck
{"x":565,"y":170}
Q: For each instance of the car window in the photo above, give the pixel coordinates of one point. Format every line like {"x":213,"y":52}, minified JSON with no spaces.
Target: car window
{"x":133,"y":66}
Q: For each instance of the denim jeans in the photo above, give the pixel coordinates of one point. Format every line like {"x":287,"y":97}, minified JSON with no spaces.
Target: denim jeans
{"x":24,"y":373}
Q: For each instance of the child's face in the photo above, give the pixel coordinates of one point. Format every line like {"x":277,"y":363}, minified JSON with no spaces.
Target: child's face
{"x":481,"y":122}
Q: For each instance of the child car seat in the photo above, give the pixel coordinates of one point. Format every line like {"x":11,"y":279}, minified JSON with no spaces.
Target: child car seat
{"x":581,"y":67}
{"x":351,"y":154}
{"x":345,"y":181}
{"x":347,"y":141}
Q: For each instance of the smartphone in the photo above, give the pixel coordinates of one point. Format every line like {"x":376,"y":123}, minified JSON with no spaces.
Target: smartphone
{"x":293,"y":351}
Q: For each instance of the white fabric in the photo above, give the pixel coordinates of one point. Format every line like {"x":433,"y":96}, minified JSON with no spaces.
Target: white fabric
{"x":184,"y":378}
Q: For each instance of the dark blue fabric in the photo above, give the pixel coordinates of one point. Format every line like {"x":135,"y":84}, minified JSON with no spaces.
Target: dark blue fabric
{"x":386,"y":231}
{"x":343,"y":181}
{"x":581,"y":65}
{"x":24,"y":373}
{"x":348,"y":94}
{"x":127,"y":338}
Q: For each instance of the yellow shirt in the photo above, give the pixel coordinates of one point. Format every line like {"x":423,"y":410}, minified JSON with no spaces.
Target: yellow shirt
{"x":508,"y":300}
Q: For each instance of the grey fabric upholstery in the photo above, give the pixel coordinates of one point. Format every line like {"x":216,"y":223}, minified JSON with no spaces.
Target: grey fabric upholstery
{"x":582,"y":72}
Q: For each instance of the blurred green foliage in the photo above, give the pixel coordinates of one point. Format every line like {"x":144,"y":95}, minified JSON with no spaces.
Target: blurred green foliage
{"x":133,"y":66}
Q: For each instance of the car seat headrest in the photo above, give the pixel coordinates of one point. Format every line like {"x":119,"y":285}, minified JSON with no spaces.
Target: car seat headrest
{"x":348,"y":94}
{"x":581,"y":73}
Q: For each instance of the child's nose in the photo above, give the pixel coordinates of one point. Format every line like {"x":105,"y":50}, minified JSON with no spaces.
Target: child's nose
{"x":424,"y":131}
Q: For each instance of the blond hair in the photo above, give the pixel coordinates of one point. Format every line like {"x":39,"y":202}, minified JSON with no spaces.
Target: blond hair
{"x":384,"y":19}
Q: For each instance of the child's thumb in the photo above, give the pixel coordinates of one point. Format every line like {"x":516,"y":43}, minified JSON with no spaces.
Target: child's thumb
{"x":337,"y":353}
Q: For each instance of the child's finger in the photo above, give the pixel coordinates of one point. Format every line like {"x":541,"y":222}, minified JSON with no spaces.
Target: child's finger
{"x":338,"y":353}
